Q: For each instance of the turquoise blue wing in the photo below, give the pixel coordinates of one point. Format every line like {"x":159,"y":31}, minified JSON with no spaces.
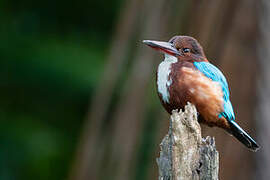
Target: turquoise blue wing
{"x":215,"y":74}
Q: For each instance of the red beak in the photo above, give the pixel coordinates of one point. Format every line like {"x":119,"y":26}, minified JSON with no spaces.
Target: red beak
{"x":163,"y":47}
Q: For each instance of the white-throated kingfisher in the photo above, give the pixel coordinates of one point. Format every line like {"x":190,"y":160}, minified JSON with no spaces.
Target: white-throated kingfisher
{"x":185,"y":75}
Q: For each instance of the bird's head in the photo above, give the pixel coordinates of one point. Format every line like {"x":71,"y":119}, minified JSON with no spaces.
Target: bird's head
{"x":182,"y":47}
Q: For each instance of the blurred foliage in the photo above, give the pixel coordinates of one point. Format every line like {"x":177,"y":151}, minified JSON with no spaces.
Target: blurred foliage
{"x":52,"y":54}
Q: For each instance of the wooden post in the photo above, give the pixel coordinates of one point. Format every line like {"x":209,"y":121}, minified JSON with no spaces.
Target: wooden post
{"x":184,"y":154}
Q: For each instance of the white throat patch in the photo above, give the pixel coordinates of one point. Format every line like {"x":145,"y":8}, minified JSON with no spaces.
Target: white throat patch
{"x":163,"y":81}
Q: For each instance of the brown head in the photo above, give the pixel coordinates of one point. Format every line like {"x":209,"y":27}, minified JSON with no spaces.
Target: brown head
{"x":182,"y":47}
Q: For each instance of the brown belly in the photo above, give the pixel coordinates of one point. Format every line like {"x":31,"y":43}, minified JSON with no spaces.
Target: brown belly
{"x":190,"y":85}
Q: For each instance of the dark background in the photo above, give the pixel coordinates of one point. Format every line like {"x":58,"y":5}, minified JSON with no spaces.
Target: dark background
{"x":77,"y":86}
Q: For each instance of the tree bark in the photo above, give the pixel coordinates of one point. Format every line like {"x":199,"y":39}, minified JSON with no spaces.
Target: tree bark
{"x":184,"y":153}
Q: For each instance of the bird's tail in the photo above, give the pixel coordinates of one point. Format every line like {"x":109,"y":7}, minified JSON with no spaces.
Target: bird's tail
{"x":242,"y":136}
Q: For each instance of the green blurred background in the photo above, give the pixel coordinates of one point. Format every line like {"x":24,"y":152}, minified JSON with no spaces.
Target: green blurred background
{"x":77,"y":89}
{"x":52,"y":54}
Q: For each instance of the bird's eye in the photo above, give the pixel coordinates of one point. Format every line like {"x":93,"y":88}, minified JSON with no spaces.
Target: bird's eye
{"x":186,"y":50}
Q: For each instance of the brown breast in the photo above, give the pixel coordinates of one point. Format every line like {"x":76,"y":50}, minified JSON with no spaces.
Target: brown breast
{"x":190,"y":85}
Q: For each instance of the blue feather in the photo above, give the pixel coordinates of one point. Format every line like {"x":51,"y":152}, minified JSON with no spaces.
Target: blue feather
{"x":215,"y":74}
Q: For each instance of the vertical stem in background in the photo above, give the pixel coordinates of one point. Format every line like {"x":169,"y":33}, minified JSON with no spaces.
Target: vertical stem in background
{"x":90,"y":139}
{"x":263,"y":92}
{"x":129,"y":118}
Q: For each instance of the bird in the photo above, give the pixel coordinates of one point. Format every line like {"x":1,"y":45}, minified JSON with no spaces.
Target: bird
{"x":185,"y":75}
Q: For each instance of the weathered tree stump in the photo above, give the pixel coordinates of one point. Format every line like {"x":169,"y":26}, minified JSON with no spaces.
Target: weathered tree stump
{"x":184,"y":154}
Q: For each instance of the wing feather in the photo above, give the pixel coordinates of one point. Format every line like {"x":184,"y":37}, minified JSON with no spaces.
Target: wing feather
{"x":215,"y":74}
